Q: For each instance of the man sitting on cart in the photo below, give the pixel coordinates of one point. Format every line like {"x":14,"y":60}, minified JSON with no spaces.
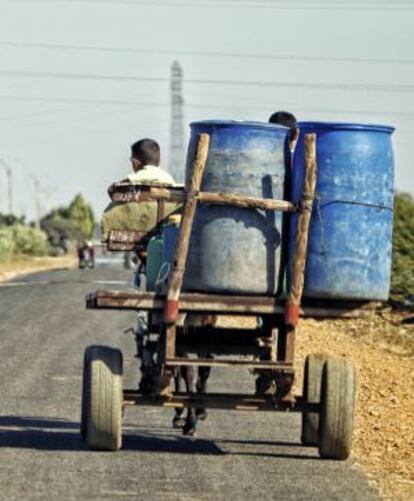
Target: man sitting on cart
{"x":287,"y":119}
{"x":145,"y":160}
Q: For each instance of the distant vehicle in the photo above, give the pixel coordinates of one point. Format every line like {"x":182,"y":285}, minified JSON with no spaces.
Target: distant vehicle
{"x":86,"y":255}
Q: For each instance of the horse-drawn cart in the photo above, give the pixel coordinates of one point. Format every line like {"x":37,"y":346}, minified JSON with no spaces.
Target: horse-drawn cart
{"x":183,"y":329}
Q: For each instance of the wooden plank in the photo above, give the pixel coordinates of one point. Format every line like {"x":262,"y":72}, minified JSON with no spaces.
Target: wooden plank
{"x":222,"y":362}
{"x":302,"y":232}
{"x":226,"y":305}
{"x":178,"y":267}
{"x":143,"y":193}
{"x":126,"y":236}
{"x":126,"y":192}
{"x":245,"y":202}
{"x":230,"y":401}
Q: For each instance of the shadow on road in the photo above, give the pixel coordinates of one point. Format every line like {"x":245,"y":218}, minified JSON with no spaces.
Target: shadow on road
{"x":53,"y":434}
{"x":171,"y":443}
{"x":35,"y":422}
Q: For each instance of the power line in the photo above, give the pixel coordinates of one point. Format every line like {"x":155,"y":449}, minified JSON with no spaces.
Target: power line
{"x":284,"y":57}
{"x":78,"y":118}
{"x":309,"y":85}
{"x":216,"y":106}
{"x":79,"y":76}
{"x":275,"y":5}
{"x":109,"y":102}
{"x":250,"y":83}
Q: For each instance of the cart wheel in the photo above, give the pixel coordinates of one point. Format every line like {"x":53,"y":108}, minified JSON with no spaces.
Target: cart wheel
{"x":312,"y":383}
{"x":101,"y":419}
{"x":337,"y":409}
{"x":85,"y":390}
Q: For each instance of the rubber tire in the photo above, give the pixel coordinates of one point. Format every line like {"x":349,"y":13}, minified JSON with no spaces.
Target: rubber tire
{"x":85,"y":390}
{"x":337,"y":409}
{"x":103,"y":398}
{"x":312,"y":385}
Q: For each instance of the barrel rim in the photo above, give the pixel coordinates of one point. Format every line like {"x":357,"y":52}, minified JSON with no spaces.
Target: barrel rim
{"x":240,"y":123}
{"x":346,"y":126}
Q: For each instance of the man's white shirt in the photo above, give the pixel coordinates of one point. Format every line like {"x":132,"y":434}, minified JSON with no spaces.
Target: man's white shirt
{"x":150,"y":174}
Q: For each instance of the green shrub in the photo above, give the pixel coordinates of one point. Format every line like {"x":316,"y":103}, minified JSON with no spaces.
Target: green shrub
{"x":81,"y":215}
{"x":30,"y":241}
{"x":402,"y":282}
{"x":6,"y":243}
{"x":74,"y":222}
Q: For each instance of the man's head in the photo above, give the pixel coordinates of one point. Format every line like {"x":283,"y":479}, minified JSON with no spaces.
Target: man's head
{"x":288,"y":120}
{"x":145,"y":152}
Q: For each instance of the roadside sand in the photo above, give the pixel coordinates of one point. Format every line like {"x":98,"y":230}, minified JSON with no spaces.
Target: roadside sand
{"x":382,"y":349}
{"x":26,"y":264}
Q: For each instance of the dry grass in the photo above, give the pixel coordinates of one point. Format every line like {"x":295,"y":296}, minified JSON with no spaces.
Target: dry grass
{"x":19,"y":265}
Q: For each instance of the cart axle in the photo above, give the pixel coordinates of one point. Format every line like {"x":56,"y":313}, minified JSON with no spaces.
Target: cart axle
{"x":238,"y":402}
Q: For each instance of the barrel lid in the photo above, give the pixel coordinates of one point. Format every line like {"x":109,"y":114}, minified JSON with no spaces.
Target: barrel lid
{"x":239,"y":123}
{"x":346,"y":126}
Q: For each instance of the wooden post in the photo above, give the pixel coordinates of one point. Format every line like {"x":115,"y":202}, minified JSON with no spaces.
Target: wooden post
{"x":178,"y":268}
{"x":302,"y":232}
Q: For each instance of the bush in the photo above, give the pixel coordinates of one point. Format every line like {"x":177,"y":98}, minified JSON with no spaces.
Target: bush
{"x":402,"y":282}
{"x":6,"y":244}
{"x":81,"y":215}
{"x":11,"y":219}
{"x":28,"y":240}
{"x":75,"y":222}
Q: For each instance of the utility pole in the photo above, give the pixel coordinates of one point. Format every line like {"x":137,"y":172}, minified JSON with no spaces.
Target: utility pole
{"x":38,"y":209}
{"x":176,"y":160}
{"x":9,"y":174}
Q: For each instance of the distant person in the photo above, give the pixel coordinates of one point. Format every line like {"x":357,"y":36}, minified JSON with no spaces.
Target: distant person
{"x":288,"y":120}
{"x":86,"y":254}
{"x":145,"y":160}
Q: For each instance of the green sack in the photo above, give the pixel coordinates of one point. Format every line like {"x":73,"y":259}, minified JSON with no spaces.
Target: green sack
{"x":133,"y":216}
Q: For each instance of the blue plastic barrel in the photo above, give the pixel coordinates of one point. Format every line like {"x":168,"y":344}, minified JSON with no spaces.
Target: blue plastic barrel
{"x":349,"y":250}
{"x":236,"y":250}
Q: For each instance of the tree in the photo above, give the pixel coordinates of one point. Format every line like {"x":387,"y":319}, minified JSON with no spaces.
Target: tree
{"x":81,"y":215}
{"x":402,"y":283}
{"x":11,"y":219}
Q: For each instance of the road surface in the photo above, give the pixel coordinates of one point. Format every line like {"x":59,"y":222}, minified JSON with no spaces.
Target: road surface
{"x":235,"y":455}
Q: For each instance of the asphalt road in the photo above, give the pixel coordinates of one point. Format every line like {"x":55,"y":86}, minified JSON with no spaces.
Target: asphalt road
{"x":239,"y":455}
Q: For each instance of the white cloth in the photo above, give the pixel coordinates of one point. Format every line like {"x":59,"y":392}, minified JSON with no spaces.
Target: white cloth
{"x":150,"y":174}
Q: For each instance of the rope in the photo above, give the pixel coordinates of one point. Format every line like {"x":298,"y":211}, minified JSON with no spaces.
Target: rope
{"x":163,"y":273}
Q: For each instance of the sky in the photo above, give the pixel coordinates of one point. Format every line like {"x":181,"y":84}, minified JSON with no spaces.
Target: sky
{"x":80,"y":80}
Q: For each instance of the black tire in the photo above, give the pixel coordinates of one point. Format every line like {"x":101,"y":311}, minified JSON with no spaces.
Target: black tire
{"x":337,"y":409}
{"x":312,"y":385}
{"x":85,"y":391}
{"x":102,"y":399}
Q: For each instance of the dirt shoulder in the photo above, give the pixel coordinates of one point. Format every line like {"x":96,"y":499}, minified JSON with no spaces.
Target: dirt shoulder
{"x":21,"y":265}
{"x":382,"y":349}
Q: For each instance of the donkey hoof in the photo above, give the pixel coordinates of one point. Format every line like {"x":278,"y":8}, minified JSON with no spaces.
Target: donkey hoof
{"x":201,"y":414}
{"x":178,"y":423}
{"x":189,"y":429}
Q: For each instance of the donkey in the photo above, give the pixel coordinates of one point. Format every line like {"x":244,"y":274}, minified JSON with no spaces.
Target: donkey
{"x":188,"y":424}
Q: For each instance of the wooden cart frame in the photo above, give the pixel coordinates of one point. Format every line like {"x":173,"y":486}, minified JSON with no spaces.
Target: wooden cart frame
{"x":267,"y":350}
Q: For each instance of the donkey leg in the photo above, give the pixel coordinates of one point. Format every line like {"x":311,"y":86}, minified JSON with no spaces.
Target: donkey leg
{"x":203,"y":375}
{"x":178,"y":421}
{"x":191,"y":419}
